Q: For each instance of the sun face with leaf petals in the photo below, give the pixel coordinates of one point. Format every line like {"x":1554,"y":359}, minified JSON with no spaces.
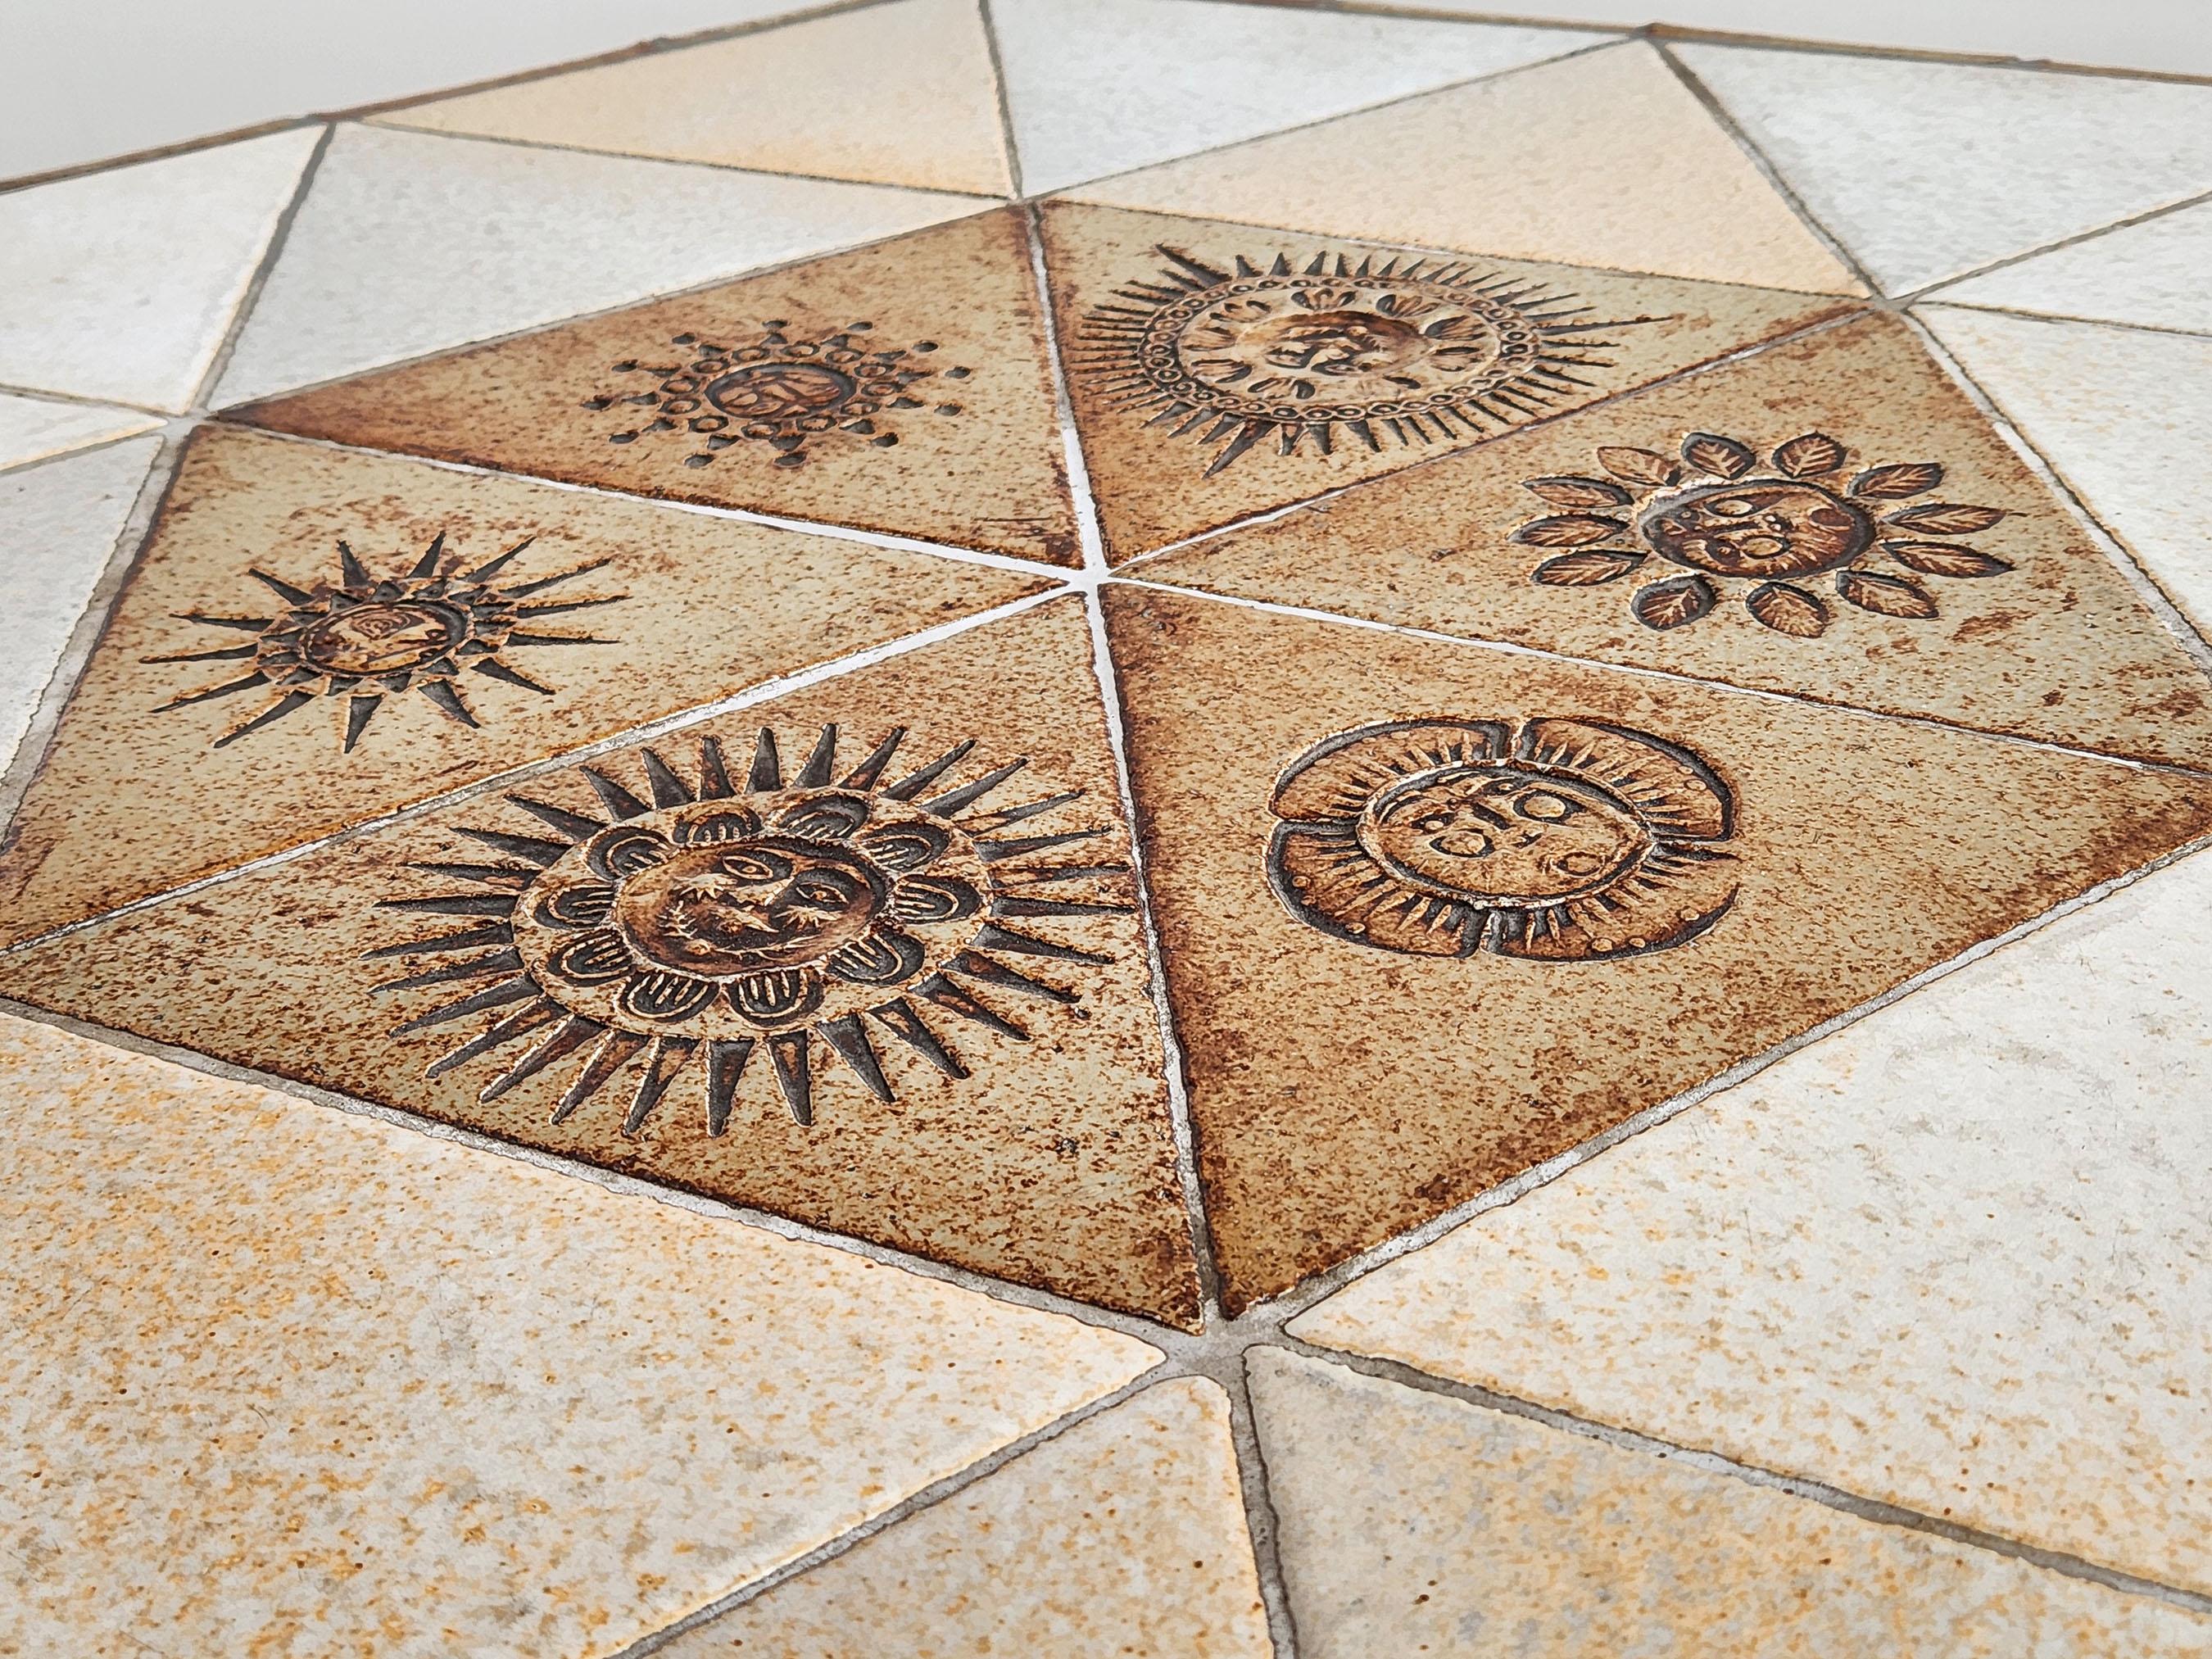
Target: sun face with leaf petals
{"x":1790,"y":525}
{"x":366,"y":637}
{"x":684,"y":929}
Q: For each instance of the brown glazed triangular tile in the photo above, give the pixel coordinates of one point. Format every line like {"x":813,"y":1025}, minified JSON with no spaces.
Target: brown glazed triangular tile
{"x":1434,"y":913}
{"x":866,"y":956}
{"x":904,"y":388}
{"x":1831,"y":517}
{"x":312,"y":638}
{"x":1219,"y":370}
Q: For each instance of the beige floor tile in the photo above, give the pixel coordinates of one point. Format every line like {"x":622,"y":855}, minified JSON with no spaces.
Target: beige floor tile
{"x":33,"y":428}
{"x":1413,"y":1523}
{"x":1574,"y":537}
{"x":1432,"y":914}
{"x":1368,"y":359}
{"x":1124,"y":1535}
{"x":2150,"y":274}
{"x":903,"y":388}
{"x":1951,"y":1256}
{"x":1927,"y":170}
{"x":1532,"y":165}
{"x":940,"y":1037}
{"x":893,"y":94}
{"x":285,"y":1381}
{"x":158,"y":776}
{"x":2121,"y":414}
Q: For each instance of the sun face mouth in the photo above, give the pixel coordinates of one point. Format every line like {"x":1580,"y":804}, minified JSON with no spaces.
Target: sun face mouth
{"x":719,"y":911}
{"x":1500,"y":836}
{"x":382,"y":636}
{"x":1763,"y":527}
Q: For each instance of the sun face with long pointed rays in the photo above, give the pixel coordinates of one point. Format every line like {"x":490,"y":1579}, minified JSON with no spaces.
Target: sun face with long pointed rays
{"x":366,"y":637}
{"x":1402,"y":351}
{"x":687,"y":928}
{"x":1553,"y":840}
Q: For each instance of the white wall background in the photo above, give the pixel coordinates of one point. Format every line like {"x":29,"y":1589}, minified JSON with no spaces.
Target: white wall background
{"x":81,"y":80}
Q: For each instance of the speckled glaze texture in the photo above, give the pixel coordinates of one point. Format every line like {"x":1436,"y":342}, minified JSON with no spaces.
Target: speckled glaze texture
{"x":1155,"y":478}
{"x":282,"y":1381}
{"x":976,"y":459}
{"x":1123,"y":1535}
{"x":1951,"y":1257}
{"x":1418,"y":1524}
{"x":1342,"y":1092}
{"x":1052,"y":1164}
{"x":2051,"y":642}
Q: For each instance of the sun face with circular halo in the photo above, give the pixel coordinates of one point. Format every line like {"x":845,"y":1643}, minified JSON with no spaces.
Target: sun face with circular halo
{"x":707,"y":919}
{"x":1553,"y":840}
{"x":1408,"y":351}
{"x":1722,"y":515}
{"x":366,"y":637}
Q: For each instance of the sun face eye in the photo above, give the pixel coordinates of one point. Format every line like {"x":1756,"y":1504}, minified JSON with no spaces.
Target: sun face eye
{"x":1731,"y":507}
{"x":753,"y":867}
{"x":824,"y":888}
{"x":1545,"y":807}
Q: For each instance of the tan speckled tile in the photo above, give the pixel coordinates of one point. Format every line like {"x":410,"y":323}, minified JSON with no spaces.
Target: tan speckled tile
{"x":253,"y":689}
{"x":1904,"y":558}
{"x":281,"y":1382}
{"x":1434,"y":913}
{"x":1126,"y":1534}
{"x":903,"y":388}
{"x":894,"y":95}
{"x":1604,"y":158}
{"x":1413,"y":1524}
{"x":901,"y":992}
{"x":1954,"y":1256}
{"x":1218,"y":370}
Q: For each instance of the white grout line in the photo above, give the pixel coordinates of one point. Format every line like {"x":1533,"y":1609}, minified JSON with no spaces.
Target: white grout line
{"x":1933,"y":291}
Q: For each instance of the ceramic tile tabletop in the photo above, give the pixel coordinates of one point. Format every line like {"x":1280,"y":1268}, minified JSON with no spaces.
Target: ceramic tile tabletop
{"x":1192,"y":828}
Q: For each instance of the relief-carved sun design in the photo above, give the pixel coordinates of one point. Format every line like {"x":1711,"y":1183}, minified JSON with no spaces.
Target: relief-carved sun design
{"x":773,"y":389}
{"x":1727,"y":518}
{"x":687,"y":929}
{"x":367,"y":637}
{"x":1413,"y":350}
{"x":1553,"y":840}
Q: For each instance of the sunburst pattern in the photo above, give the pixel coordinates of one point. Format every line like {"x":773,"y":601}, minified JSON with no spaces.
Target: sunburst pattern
{"x":687,"y":927}
{"x":366,"y":638}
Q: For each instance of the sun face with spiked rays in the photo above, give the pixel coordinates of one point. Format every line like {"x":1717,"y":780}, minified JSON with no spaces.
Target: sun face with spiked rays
{"x":1406,"y":351}
{"x":778,"y":391}
{"x":1773,"y":523}
{"x":682,"y":930}
{"x":1553,"y":840}
{"x":366,"y":637}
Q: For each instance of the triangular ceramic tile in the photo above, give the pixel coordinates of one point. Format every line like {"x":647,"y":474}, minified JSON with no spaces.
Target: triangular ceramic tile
{"x":1413,"y":1523}
{"x":1924,"y":170}
{"x":121,"y":285}
{"x":287,"y":1374}
{"x":1602,"y":534}
{"x":900,"y":94}
{"x":2150,"y":274}
{"x":314,"y":638}
{"x":904,"y":388}
{"x":880,"y":970}
{"x":1533,"y":165}
{"x":1219,"y":371}
{"x":2030,"y":1115}
{"x":1126,"y":1534}
{"x":2121,"y":415}
{"x":1434,"y":913}
{"x":32,"y":428}
{"x":411,"y":242}
{"x":1101,"y":86}
{"x":57,"y":528}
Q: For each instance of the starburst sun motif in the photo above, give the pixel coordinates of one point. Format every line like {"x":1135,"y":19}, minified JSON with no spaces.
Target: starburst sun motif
{"x":1729,"y":519}
{"x":366,"y":637}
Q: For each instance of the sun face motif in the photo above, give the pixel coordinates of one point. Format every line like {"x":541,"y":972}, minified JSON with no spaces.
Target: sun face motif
{"x":369,"y":637}
{"x":1721,"y":515}
{"x":777,"y":391}
{"x":1560,"y":840}
{"x":1408,"y":351}
{"x":716,"y":918}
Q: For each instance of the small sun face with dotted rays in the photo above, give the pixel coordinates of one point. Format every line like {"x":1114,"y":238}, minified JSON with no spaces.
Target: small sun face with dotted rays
{"x":365,"y":638}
